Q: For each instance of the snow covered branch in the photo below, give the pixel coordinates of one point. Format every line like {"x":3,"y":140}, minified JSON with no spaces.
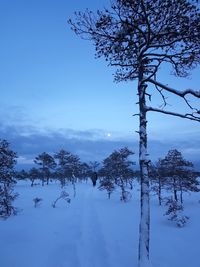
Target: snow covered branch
{"x":189,"y":116}
{"x":174,"y":91}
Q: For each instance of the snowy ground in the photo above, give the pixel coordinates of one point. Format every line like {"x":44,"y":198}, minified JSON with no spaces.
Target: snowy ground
{"x":93,"y":231}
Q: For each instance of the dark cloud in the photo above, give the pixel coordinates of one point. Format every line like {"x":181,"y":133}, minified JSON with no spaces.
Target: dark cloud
{"x":28,"y":142}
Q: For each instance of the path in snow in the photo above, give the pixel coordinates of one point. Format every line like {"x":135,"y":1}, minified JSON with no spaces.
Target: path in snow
{"x":92,"y":246}
{"x":83,"y":242}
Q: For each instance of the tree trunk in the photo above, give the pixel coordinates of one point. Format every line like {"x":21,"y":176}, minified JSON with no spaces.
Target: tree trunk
{"x":181,"y":194}
{"x":123,"y":193}
{"x":175,"y":191}
{"x":144,"y":230}
{"x":74,"y":184}
{"x":159,"y":191}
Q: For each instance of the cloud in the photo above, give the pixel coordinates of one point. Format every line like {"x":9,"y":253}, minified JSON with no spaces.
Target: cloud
{"x":90,"y":145}
{"x":28,"y":142}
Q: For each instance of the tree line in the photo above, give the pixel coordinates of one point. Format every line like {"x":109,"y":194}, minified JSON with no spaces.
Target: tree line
{"x":116,"y":173}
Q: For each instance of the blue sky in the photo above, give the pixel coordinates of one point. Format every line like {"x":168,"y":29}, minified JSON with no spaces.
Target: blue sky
{"x":55,"y":93}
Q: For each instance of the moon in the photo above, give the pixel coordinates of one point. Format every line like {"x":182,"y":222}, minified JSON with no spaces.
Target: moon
{"x":108,"y":134}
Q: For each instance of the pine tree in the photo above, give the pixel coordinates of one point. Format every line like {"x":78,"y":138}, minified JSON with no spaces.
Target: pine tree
{"x":117,"y":171}
{"x":179,"y":174}
{"x":69,"y":168}
{"x":33,"y":174}
{"x":158,"y":179}
{"x":47,"y":164}
{"x":7,"y":182}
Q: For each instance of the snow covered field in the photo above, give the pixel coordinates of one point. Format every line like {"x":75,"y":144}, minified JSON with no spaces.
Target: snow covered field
{"x":93,"y":231}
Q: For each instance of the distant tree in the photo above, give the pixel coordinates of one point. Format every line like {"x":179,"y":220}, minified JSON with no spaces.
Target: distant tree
{"x":69,"y":167}
{"x":107,"y":183}
{"x":84,"y":172}
{"x":179,"y":174}
{"x":116,"y":171}
{"x":47,"y":164}
{"x":21,"y":175}
{"x":158,"y":178}
{"x":7,"y":195}
{"x":33,"y":175}
{"x":74,"y":168}
{"x":61,"y":170}
{"x":138,"y":37}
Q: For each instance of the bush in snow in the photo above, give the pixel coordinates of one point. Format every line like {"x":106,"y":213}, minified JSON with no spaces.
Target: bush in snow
{"x":125,"y":196}
{"x":64,"y":195}
{"x":37,"y":201}
{"x":174,"y":212}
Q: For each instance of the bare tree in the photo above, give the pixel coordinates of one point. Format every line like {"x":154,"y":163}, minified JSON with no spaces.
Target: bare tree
{"x":138,"y":36}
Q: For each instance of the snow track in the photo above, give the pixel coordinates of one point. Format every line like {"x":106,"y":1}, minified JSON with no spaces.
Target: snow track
{"x":92,"y":246}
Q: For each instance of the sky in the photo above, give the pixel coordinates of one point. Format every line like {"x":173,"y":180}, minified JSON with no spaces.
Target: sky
{"x":55,"y":94}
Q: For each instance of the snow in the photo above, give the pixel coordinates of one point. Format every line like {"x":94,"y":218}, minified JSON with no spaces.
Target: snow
{"x":93,"y":231}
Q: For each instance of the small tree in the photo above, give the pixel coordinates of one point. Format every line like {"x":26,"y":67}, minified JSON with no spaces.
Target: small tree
{"x":107,"y":184}
{"x":69,"y":167}
{"x":157,"y":174}
{"x":37,"y":201}
{"x":47,"y":164}
{"x":63,"y":195}
{"x":179,"y":174}
{"x":175,"y":212}
{"x":7,"y":195}
{"x":61,"y":169}
{"x":33,"y":174}
{"x":84,"y":172}
{"x":21,"y":175}
{"x":117,"y":171}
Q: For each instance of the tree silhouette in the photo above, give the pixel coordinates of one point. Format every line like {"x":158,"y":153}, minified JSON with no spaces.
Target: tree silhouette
{"x":7,"y":181}
{"x":117,"y":171}
{"x":179,"y":174}
{"x":47,"y":163}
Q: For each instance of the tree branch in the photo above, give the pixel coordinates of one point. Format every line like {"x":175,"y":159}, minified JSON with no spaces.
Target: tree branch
{"x":184,"y":116}
{"x":174,"y":91}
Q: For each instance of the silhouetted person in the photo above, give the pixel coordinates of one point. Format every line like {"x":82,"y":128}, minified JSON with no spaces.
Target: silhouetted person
{"x":94,"y":178}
